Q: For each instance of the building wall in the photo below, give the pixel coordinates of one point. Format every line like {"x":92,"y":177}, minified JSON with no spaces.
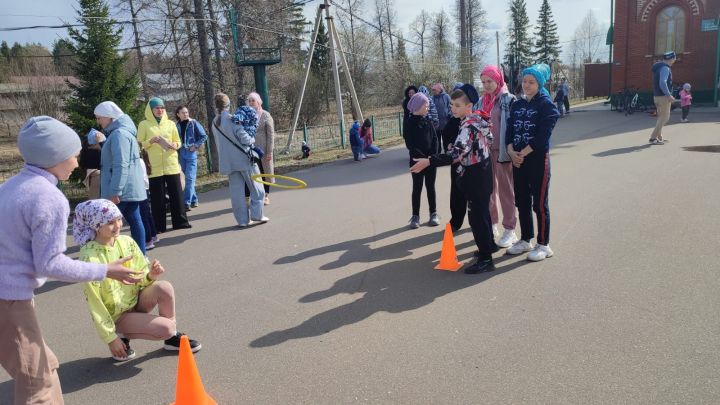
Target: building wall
{"x":634,"y":44}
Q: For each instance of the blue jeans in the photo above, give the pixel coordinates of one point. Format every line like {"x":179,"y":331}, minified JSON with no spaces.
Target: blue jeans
{"x":372,"y":150}
{"x":131,"y":213}
{"x":147,"y":219}
{"x":358,"y":150}
{"x":188,"y":164}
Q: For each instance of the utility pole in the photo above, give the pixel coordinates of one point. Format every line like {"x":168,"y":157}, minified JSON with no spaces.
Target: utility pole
{"x":610,"y":41}
{"x":497,"y":46}
{"x":717,"y":64}
{"x":336,"y":76}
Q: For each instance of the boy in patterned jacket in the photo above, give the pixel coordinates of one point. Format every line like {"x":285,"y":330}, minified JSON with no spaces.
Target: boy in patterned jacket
{"x":472,"y":150}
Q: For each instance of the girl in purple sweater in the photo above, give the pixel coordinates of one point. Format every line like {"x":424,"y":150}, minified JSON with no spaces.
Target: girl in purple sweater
{"x":33,"y":224}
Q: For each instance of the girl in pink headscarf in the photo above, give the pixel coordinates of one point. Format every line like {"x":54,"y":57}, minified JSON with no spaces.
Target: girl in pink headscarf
{"x":496,"y":102}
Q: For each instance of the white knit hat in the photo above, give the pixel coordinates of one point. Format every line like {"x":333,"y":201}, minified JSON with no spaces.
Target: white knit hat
{"x":108,"y":109}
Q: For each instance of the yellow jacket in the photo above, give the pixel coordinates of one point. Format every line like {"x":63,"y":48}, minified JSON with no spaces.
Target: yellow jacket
{"x":108,"y":299}
{"x":163,"y":162}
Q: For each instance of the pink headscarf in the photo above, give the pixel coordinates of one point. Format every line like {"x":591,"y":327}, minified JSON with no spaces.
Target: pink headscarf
{"x":258,"y":99}
{"x":488,"y":99}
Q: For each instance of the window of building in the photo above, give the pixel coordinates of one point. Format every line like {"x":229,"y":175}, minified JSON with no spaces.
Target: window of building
{"x":670,"y":30}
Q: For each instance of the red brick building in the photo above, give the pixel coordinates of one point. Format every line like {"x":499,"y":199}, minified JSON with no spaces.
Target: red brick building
{"x":645,"y":29}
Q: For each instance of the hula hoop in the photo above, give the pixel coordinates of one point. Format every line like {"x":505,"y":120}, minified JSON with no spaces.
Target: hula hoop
{"x":298,"y":183}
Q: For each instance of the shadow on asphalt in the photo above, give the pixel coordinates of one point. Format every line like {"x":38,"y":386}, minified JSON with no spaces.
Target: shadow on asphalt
{"x":359,"y":250}
{"x":622,"y":151}
{"x":80,"y":374}
{"x":393,"y":287}
{"x":51,"y":285}
{"x":175,"y":240}
{"x":704,"y":148}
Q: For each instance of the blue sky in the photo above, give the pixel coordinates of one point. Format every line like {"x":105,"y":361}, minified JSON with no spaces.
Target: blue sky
{"x":567,"y":14}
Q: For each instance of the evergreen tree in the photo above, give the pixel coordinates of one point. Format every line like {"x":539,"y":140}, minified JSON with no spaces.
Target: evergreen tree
{"x":518,"y":47}
{"x":100,"y":68}
{"x":547,"y":45}
{"x":5,"y":50}
{"x":401,"y":51}
{"x":63,"y":57}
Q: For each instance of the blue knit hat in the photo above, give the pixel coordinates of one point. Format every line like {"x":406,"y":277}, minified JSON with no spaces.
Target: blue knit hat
{"x":471,"y":93}
{"x":541,"y":72}
{"x":44,"y":142}
{"x":156,"y":102}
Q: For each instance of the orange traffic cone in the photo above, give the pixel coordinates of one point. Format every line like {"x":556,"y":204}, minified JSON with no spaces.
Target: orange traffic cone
{"x":448,"y":256}
{"x":189,"y":389}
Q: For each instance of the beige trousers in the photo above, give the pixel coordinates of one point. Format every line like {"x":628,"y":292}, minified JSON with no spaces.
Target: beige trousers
{"x":25,"y":356}
{"x":662,"y":103}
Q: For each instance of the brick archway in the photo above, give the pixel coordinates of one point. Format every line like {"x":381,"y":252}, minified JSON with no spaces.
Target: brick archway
{"x":645,"y":7}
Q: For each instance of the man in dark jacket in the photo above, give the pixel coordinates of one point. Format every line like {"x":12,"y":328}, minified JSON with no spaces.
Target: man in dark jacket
{"x":662,"y":92}
{"x":442,"y":104}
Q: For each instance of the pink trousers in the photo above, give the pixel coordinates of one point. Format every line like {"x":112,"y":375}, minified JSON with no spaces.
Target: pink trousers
{"x":502,"y":191}
{"x":141,"y":324}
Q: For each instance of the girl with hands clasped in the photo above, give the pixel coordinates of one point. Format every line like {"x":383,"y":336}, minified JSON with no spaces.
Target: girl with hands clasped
{"x":121,"y":312}
{"x":531,"y":122}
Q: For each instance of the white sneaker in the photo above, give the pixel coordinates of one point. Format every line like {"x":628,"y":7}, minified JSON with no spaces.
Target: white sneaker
{"x":508,"y":238}
{"x":496,"y":233}
{"x":519,"y":247}
{"x":541,"y":252}
{"x":262,"y":220}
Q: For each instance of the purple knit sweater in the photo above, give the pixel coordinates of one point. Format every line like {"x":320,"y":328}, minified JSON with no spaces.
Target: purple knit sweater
{"x":33,"y":227}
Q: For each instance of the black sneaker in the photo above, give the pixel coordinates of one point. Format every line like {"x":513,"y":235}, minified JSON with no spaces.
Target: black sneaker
{"x":194,"y":205}
{"x":130,"y":352}
{"x":187,"y":208}
{"x":173,"y":344}
{"x":481,"y":266}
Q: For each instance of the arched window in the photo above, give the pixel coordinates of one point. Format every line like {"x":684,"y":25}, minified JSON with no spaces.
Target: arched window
{"x":670,"y":30}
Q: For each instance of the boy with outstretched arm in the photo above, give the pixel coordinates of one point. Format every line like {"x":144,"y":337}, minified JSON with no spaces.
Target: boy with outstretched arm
{"x":472,"y":150}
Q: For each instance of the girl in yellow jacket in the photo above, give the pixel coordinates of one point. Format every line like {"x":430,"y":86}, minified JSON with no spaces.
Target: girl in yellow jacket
{"x":122,"y":311}
{"x":159,"y":137}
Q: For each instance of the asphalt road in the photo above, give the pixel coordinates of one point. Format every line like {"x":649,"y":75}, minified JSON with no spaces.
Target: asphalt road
{"x":336,"y":301}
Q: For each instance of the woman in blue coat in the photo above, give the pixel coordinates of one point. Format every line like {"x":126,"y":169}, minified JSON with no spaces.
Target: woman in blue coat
{"x":121,"y":173}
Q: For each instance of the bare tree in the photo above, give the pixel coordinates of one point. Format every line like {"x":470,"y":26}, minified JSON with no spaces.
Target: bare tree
{"x":419,"y":28}
{"x":207,"y":74}
{"x":381,"y":25}
{"x":592,"y":36}
{"x":135,"y":8}
{"x":216,"y":44}
{"x":389,"y":21}
{"x":440,"y":39}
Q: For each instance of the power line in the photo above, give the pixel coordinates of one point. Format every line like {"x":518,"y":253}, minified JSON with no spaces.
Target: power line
{"x":372,"y":24}
{"x":284,"y":34}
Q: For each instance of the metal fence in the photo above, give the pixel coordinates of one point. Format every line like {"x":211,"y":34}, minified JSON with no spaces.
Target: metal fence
{"x":324,"y":137}
{"x":319,"y":138}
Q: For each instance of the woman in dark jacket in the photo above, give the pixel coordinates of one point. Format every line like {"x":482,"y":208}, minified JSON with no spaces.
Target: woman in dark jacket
{"x":410,"y":91}
{"x":421,"y":141}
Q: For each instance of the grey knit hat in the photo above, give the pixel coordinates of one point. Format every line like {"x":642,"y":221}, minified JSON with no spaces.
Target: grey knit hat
{"x":44,"y":142}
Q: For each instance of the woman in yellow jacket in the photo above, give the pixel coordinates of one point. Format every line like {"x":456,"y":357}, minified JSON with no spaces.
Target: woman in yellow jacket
{"x":159,"y":137}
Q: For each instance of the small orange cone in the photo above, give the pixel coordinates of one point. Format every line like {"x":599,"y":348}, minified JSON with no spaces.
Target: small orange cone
{"x":448,"y":256}
{"x":189,"y":389}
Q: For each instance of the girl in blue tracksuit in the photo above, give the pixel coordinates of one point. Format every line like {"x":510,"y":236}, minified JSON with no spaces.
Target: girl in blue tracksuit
{"x":532,"y":119}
